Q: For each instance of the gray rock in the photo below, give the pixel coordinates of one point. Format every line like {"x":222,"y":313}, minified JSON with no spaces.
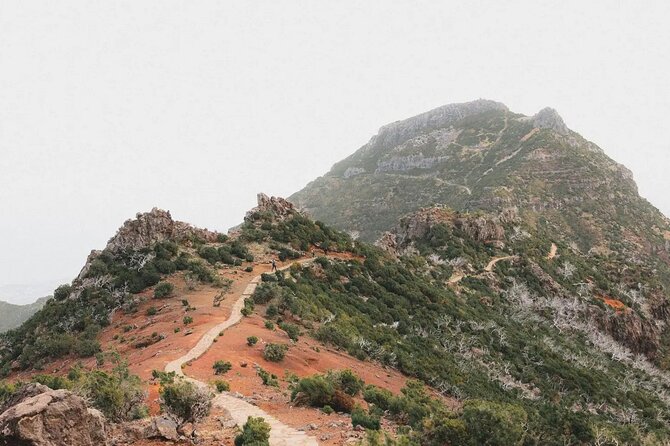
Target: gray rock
{"x":39,"y":416}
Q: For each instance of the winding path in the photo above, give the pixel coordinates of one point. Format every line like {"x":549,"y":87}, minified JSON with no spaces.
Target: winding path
{"x":495,"y":260}
{"x":240,"y":410}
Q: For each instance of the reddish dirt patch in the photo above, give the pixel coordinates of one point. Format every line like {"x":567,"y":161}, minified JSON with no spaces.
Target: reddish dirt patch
{"x":614,"y":303}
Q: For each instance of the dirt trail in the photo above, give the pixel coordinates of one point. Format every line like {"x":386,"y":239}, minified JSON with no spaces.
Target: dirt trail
{"x":281,"y":434}
{"x":552,"y":251}
{"x":495,"y":260}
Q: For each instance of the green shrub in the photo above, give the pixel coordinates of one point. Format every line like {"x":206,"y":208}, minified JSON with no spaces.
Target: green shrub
{"x":62,"y":292}
{"x":85,"y":348}
{"x":119,"y":395}
{"x":252,"y":340}
{"x":151,"y":311}
{"x":379,"y":397}
{"x":267,"y":378}
{"x":220,"y":367}
{"x":163,"y":289}
{"x":359,"y":417}
{"x":187,"y":320}
{"x":221,"y":386}
{"x":271,"y":311}
{"x":327,"y":409}
{"x":249,"y":269}
{"x":163,"y":377}
{"x":53,"y":381}
{"x":274,"y":352}
{"x":269,"y":325}
{"x":185,"y":401}
{"x":221,"y":238}
{"x":495,"y":424}
{"x":291,"y":330}
{"x":347,"y":381}
{"x":255,"y":432}
{"x":210,"y":254}
{"x":322,"y":390}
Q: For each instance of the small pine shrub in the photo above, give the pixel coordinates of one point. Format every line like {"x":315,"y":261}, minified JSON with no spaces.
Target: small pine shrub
{"x":187,"y":320}
{"x":151,"y":311}
{"x":252,"y":340}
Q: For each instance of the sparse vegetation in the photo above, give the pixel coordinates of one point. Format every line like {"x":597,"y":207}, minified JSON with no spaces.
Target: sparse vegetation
{"x":221,"y":386}
{"x":220,"y":367}
{"x":252,"y":340}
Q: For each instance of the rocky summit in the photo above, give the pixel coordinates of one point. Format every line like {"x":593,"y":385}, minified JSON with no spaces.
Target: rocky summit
{"x":480,"y":156}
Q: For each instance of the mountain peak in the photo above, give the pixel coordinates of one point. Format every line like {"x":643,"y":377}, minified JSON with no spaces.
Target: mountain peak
{"x":548,"y":118}
{"x":400,"y":131}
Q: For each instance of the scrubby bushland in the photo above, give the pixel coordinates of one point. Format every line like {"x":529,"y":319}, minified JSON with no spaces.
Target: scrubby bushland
{"x":69,"y":326}
{"x":501,"y":338}
{"x":118,"y":394}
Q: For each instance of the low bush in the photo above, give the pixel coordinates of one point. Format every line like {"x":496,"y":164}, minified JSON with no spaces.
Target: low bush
{"x":325,"y":390}
{"x":360,"y":417}
{"x":220,"y":367}
{"x":151,"y":311}
{"x":268,"y":378}
{"x":163,"y":290}
{"x":255,"y":432}
{"x":274,"y":352}
{"x":291,"y":330}
{"x":62,"y":292}
{"x":252,"y":340}
{"x":221,"y":386}
{"x":185,"y":402}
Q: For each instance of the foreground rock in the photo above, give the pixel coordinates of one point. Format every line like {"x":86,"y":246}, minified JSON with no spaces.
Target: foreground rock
{"x":40,"y":416}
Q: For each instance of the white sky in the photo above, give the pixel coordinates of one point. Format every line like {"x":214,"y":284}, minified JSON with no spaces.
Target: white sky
{"x":112,"y":107}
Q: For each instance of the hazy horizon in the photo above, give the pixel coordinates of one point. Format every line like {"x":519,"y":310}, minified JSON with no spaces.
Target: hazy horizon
{"x":110,"y":109}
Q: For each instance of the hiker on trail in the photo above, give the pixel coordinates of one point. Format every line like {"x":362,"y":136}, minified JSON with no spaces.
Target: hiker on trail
{"x":274,"y":265}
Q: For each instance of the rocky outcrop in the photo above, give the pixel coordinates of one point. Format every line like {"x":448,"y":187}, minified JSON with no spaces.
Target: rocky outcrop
{"x":404,"y":163}
{"x":398,"y":132}
{"x":416,"y":226}
{"x":481,"y":229}
{"x":39,"y":416}
{"x":279,"y":208}
{"x":548,"y":118}
{"x":627,"y":327}
{"x":152,"y":227}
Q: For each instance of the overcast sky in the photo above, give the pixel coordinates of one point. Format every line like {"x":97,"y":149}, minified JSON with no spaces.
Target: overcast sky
{"x":108,"y":108}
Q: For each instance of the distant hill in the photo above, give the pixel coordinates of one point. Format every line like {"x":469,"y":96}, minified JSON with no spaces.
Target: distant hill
{"x":12,"y":315}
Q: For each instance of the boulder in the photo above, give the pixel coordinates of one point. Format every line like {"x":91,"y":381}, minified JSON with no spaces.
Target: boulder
{"x":39,"y":416}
